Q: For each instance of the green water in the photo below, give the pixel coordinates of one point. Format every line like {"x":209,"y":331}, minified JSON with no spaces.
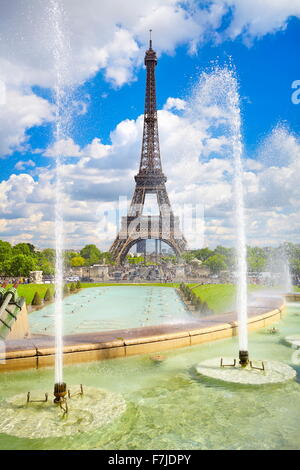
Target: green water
{"x":170,"y":407}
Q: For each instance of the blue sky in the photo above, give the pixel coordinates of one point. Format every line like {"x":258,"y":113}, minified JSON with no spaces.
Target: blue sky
{"x":102,"y":150}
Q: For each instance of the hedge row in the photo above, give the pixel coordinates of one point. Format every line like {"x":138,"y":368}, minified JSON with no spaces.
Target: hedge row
{"x":196,"y":301}
{"x":49,"y":295}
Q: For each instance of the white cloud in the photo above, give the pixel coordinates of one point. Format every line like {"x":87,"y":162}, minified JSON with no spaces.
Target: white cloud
{"x":174,"y":103}
{"x":114,"y":40}
{"x":272,"y":192}
{"x":96,"y":149}
{"x":20,"y":113}
{"x":21,"y":165}
{"x":106,"y":36}
{"x":114,"y":37}
{"x":254,"y":18}
{"x":199,"y":172}
{"x":63,"y":147}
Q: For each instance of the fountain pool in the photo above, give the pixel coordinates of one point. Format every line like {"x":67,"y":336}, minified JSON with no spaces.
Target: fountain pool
{"x":112,"y":308}
{"x":169,"y":406}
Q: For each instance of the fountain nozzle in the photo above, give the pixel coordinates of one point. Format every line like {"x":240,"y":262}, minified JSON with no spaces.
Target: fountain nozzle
{"x":243,"y":358}
{"x":60,"y":391}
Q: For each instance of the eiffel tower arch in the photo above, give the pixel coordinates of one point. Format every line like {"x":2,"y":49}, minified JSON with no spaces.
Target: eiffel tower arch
{"x":149,"y":180}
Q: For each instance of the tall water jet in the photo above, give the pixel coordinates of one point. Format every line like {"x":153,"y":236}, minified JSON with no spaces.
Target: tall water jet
{"x":216,"y":99}
{"x":236,"y":144}
{"x":287,"y":277}
{"x":61,"y":128}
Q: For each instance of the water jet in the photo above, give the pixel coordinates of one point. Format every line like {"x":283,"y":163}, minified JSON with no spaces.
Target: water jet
{"x":223,"y":88}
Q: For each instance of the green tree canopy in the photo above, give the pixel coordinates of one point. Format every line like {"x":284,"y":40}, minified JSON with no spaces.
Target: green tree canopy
{"x":19,"y":265}
{"x":256,"y":259}
{"x":78,"y":261}
{"x":216,"y":263}
{"x":295,"y":266}
{"x":68,"y":255}
{"x":46,"y":266}
{"x":228,"y":253}
{"x":91,"y":253}
{"x":203,"y":254}
{"x":49,"y":254}
{"x":5,"y":251}
{"x":23,"y":249}
{"x":188,"y":256}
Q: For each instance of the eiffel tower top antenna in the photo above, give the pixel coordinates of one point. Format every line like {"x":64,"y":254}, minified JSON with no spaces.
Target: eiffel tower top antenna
{"x":150,"y":42}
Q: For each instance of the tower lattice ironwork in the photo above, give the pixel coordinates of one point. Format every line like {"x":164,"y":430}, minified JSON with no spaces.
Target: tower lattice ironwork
{"x":149,"y":180}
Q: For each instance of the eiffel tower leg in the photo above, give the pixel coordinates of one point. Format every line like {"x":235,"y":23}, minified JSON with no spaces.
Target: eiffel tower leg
{"x":137,"y":203}
{"x":163,"y":199}
{"x":120,"y":248}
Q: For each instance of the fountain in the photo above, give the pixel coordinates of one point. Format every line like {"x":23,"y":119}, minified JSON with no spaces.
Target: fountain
{"x":61,"y":128}
{"x":288,"y":284}
{"x":236,"y":146}
{"x":246,"y":371}
{"x":161,"y":399}
{"x":90,"y":407}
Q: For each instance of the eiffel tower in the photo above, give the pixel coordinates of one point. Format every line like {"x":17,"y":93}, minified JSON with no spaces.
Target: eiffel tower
{"x":149,"y":180}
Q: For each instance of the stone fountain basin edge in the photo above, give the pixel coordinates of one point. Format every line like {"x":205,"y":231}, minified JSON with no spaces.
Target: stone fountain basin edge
{"x":39,"y":351}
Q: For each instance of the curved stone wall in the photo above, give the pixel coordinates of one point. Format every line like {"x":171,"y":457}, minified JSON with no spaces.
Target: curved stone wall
{"x":39,"y":351}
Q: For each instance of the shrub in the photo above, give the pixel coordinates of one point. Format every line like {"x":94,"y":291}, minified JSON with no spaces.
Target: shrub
{"x":36,"y":299}
{"x":78,"y":285}
{"x":206,"y":309}
{"x":194,"y":298}
{"x":72,"y":287}
{"x":48,"y":295}
{"x":198,"y":304}
{"x":66,"y":289}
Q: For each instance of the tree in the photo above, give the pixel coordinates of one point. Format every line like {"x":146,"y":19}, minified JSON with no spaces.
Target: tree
{"x":45,"y":266}
{"x":132,"y":259}
{"x":91,"y":254}
{"x":31,"y":247}
{"x":203,"y":254}
{"x":5,"y":251}
{"x":216,"y":263}
{"x":295,"y":266}
{"x":22,"y":249}
{"x":188,"y":256}
{"x":256,"y":259}
{"x":49,"y":254}
{"x":228,"y":253}
{"x":19,"y":265}
{"x":68,"y":255}
{"x":78,"y":261}
{"x":256,"y":264}
{"x":106,"y":257}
